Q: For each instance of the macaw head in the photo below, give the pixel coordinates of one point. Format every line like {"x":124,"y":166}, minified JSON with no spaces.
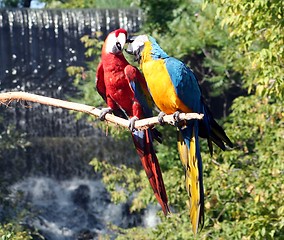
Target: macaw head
{"x":136,"y":46}
{"x":115,"y":41}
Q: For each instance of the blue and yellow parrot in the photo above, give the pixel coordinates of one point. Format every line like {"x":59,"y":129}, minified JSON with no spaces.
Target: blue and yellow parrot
{"x":174,"y":89}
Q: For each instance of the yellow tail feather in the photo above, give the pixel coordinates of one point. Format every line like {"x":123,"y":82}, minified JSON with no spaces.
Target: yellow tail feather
{"x":189,"y":161}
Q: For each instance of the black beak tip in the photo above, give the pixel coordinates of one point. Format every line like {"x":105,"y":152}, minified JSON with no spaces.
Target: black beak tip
{"x":129,"y":40}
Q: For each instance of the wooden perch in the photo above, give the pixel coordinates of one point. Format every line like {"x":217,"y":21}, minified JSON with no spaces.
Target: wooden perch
{"x":7,"y":98}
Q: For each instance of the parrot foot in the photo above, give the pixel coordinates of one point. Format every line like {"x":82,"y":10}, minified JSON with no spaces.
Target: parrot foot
{"x":104,"y":112}
{"x":161,"y":118}
{"x":132,"y":123}
{"x":176,"y":117}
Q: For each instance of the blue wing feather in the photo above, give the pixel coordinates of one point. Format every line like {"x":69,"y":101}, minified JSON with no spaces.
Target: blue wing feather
{"x":157,"y":52}
{"x":142,"y":98}
{"x":140,"y":89}
{"x":185,"y":83}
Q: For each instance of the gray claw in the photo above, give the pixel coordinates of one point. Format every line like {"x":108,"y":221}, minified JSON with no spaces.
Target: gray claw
{"x":161,"y":118}
{"x":132,"y":123}
{"x":104,"y":112}
{"x":176,"y":116}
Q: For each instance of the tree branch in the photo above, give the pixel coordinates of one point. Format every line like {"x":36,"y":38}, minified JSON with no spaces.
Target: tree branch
{"x":7,"y":98}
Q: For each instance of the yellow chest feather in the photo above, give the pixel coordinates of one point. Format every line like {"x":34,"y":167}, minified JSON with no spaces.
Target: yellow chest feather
{"x":161,"y":87}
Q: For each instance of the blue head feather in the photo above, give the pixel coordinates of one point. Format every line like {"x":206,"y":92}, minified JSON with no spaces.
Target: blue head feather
{"x":157,"y":51}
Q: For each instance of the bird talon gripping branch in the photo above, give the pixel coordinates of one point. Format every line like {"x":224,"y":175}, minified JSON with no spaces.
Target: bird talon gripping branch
{"x":132,"y":123}
{"x":104,"y":112}
{"x":161,"y":118}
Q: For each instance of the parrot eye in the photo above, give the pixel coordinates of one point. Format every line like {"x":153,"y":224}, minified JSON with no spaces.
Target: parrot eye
{"x":118,"y":45}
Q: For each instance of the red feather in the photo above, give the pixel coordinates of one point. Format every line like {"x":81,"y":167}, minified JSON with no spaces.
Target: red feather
{"x":120,"y":30}
{"x":151,"y":166}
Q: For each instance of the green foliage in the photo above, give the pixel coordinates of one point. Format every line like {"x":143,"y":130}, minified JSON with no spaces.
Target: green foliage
{"x":12,"y":232}
{"x":245,"y":187}
{"x":257,"y":27}
{"x":10,"y":3}
{"x":12,"y":142}
{"x":119,"y":184}
{"x":87,"y":3}
{"x":113,"y":3}
{"x":10,"y":139}
{"x":69,"y":3}
{"x":168,"y":150}
{"x":159,"y":14}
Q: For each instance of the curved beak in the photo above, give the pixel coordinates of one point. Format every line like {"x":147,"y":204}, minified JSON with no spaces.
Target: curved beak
{"x":130,"y":49}
{"x":131,"y":39}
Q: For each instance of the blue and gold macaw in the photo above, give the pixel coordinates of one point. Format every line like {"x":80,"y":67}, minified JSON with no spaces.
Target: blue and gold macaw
{"x":174,"y":89}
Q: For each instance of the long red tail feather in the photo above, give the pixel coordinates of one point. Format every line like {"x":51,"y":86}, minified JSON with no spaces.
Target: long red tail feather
{"x":144,"y":146}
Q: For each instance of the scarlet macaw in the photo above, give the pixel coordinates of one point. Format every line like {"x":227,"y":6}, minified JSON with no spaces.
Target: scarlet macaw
{"x":124,"y":89}
{"x":175,"y":89}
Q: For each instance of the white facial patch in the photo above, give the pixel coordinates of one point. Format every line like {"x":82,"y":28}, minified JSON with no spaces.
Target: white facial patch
{"x":139,"y":42}
{"x":112,"y":40}
{"x":122,"y":39}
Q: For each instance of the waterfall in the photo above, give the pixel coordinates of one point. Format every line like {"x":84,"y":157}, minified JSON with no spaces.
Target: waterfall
{"x":36,"y":46}
{"x":52,"y":173}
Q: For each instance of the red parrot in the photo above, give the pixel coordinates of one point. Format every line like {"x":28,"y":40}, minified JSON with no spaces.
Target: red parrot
{"x":124,"y":89}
